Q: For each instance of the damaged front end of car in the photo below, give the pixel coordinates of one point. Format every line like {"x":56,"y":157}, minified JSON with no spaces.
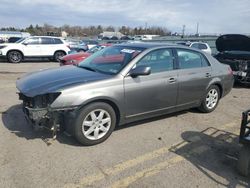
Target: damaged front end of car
{"x":39,"y":113}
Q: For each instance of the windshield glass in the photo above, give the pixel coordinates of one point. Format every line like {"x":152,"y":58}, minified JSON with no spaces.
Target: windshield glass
{"x":20,"y":40}
{"x":95,"y":49}
{"x":111,"y":60}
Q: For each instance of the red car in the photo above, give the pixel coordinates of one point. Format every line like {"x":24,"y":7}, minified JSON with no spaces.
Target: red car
{"x":73,"y":59}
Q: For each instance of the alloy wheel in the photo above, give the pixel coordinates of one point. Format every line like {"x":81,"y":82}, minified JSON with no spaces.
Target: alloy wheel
{"x":96,"y":124}
{"x":212,"y":99}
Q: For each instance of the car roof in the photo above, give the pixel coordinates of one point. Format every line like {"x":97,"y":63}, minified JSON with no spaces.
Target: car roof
{"x":147,"y":45}
{"x":47,"y":37}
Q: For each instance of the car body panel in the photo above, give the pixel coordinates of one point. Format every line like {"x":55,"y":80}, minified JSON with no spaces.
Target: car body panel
{"x":134,"y":97}
{"x":160,"y":94}
{"x":45,"y":81}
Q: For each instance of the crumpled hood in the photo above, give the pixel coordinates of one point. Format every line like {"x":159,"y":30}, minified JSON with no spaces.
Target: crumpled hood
{"x":52,"y":80}
{"x":233,"y":42}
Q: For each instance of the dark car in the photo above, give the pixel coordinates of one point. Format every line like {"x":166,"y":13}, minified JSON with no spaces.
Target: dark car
{"x":234,"y":50}
{"x":121,"y":84}
{"x":14,"y":39}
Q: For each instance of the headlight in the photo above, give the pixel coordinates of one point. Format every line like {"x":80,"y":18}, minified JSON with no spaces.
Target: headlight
{"x":1,"y":47}
{"x":42,"y":101}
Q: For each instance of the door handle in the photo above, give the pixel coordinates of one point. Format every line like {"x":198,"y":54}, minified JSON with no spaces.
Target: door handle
{"x":172,"y":80}
{"x":208,"y":74}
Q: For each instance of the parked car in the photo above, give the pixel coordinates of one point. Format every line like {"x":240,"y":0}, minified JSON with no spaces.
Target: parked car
{"x":234,"y":50}
{"x":121,"y":84}
{"x":198,"y":45}
{"x":13,"y":39}
{"x":74,"y":59}
{"x":37,"y":46}
{"x":77,"y":46}
{"x":90,"y":43}
{"x":125,"y":38}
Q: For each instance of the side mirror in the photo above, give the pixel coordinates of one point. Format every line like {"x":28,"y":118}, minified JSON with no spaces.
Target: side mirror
{"x":140,"y":71}
{"x":25,"y":43}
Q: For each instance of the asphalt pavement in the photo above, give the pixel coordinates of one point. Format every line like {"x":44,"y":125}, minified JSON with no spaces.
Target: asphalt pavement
{"x":184,"y":149}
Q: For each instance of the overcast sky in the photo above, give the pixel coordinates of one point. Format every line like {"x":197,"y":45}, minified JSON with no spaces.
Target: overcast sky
{"x":213,"y":16}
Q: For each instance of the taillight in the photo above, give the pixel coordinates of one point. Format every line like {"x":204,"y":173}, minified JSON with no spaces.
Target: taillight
{"x":230,"y":71}
{"x":68,"y":46}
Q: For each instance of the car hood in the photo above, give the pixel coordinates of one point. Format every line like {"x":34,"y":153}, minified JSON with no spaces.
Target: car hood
{"x":9,"y":44}
{"x":52,"y":80}
{"x":233,"y":42}
{"x":80,"y":55}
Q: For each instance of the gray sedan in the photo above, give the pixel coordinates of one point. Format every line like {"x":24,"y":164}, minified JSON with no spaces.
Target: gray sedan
{"x":121,"y":84}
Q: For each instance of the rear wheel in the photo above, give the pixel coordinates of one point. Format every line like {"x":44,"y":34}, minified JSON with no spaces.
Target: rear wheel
{"x":94,"y":123}
{"x":58,"y":55}
{"x":211,"y":100}
{"x":14,"y":57}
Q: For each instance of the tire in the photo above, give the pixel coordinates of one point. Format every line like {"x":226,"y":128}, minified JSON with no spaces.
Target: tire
{"x":243,"y":164}
{"x":211,"y":99}
{"x":14,"y":57}
{"x":58,"y":55}
{"x":81,"y":50}
{"x":94,"y":123}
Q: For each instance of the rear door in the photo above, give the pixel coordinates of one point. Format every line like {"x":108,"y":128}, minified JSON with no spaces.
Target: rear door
{"x":194,"y":75}
{"x":48,"y":46}
{"x":154,"y":92}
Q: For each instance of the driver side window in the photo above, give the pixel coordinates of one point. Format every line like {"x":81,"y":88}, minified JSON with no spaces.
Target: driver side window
{"x":158,"y":60}
{"x":34,"y":40}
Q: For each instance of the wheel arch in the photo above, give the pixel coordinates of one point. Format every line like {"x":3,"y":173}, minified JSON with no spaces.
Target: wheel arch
{"x":11,"y":50}
{"x":217,"y":83}
{"x":110,"y":102}
{"x":60,"y":51}
{"x":220,"y":88}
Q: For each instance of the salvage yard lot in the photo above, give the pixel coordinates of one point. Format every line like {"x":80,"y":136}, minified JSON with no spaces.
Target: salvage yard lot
{"x":185,"y":149}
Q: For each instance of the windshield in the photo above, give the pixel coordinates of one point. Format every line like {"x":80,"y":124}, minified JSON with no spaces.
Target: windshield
{"x":95,"y":49}
{"x":20,"y":40}
{"x":110,"y":60}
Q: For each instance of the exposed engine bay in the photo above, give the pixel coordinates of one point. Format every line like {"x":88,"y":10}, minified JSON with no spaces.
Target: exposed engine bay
{"x":38,"y":112}
{"x":234,"y":50}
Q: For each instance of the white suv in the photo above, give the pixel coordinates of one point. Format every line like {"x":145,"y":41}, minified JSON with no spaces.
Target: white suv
{"x":198,"y":45}
{"x":36,"y":46}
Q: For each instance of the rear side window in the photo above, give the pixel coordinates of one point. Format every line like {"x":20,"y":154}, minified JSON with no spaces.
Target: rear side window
{"x":159,"y":60}
{"x":202,"y":46}
{"x":189,"y":59}
{"x":47,"y":41}
{"x":195,"y":45}
{"x":57,"y":41}
{"x":34,"y":40}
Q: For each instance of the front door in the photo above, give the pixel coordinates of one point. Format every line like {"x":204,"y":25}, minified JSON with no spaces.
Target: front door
{"x":32,"y":47}
{"x":154,"y":92}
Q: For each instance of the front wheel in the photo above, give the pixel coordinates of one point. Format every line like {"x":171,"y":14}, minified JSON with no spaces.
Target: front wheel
{"x":211,"y":100}
{"x":94,"y":123}
{"x":58,"y":55}
{"x":14,"y":57}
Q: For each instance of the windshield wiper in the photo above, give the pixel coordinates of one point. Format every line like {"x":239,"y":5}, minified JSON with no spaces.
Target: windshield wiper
{"x":88,"y":68}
